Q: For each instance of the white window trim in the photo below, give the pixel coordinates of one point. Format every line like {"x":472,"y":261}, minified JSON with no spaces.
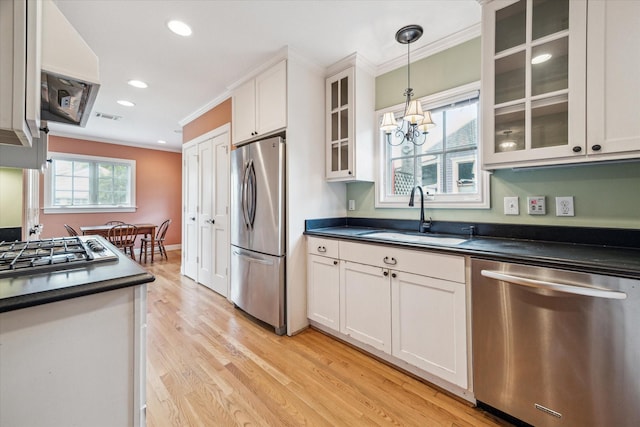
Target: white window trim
{"x":48,"y":209}
{"x":481,"y":200}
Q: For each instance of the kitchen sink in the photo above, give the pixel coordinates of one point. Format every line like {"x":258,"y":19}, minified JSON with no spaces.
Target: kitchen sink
{"x":415,"y":238}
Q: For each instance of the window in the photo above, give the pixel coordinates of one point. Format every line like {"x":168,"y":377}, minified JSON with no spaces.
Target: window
{"x":446,"y":165}
{"x":76,"y":183}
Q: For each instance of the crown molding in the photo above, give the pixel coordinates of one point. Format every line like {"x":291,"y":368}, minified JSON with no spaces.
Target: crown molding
{"x":206,"y":107}
{"x":143,"y":146}
{"x":431,"y":49}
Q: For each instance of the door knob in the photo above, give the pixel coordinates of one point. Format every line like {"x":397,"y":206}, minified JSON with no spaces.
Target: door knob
{"x":193,"y":218}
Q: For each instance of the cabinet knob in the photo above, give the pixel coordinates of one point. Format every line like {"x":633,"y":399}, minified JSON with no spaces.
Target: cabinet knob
{"x":577,"y":149}
{"x":596,"y":147}
{"x":385,"y":273}
{"x":394,"y":275}
{"x":322,"y":249}
{"x":335,"y":262}
{"x":350,"y":173}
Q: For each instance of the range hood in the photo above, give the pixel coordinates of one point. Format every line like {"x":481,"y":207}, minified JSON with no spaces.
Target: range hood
{"x":70,"y":76}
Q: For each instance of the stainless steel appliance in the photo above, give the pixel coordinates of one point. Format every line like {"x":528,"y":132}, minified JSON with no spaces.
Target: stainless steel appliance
{"x":26,"y":257}
{"x":556,"y":348}
{"x":258,"y":231}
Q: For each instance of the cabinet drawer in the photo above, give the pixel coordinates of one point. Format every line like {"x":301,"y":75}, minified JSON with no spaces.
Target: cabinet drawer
{"x":322,"y":247}
{"x":441,"y":266}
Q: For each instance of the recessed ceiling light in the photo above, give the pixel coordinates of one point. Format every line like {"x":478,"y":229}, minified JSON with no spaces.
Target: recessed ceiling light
{"x":138,"y":83}
{"x":125,"y":103}
{"x":179,"y":27}
{"x":541,"y":58}
{"x":162,"y":141}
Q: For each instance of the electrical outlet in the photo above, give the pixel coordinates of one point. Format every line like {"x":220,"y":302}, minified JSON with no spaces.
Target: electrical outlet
{"x":564,"y":206}
{"x":352,"y":205}
{"x":511,"y":205}
{"x":536,"y":205}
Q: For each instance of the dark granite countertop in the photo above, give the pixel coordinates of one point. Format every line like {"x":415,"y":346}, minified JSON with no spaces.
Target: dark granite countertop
{"x":603,"y":258}
{"x":23,"y":291}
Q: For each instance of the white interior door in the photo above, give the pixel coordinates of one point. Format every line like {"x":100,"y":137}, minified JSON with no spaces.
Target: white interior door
{"x":220,"y":279}
{"x":206,"y":157}
{"x":190,"y":213}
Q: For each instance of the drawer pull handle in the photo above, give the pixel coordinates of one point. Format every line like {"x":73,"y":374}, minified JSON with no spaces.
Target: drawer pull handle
{"x":393,"y":261}
{"x":322,"y":249}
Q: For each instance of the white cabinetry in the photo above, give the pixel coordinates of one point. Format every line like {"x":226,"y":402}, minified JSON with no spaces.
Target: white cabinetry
{"x":80,"y":361}
{"x":323,"y":282}
{"x":350,"y":125}
{"x":429,"y":325}
{"x":572,"y":107}
{"x":410,"y":305}
{"x":260,"y":104}
{"x":613,"y":87}
{"x":365,"y":292}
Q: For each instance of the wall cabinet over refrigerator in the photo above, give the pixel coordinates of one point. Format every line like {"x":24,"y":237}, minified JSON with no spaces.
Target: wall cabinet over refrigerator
{"x":350,"y":121}
{"x":260,"y":104}
{"x":545,"y":100}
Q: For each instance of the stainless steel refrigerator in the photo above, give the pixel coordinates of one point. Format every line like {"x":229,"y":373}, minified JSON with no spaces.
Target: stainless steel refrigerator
{"x":258,"y":231}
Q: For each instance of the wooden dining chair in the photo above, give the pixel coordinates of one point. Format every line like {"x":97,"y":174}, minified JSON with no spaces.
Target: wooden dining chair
{"x":123,"y":237}
{"x":145,"y":242}
{"x":70,"y":230}
{"x":114,"y":223}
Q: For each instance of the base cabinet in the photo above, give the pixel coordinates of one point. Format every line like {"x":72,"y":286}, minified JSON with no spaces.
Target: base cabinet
{"x":366,"y":304}
{"x":408,"y":307}
{"x":428,"y":318}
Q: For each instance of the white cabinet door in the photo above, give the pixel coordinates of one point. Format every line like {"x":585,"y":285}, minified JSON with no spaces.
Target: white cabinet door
{"x":220,"y":246}
{"x":533,"y":110}
{"x":271,"y":99}
{"x":613,"y":87}
{"x":324,"y":291}
{"x":365,"y":297}
{"x":429,"y":325}
{"x":206,"y":157}
{"x":244,"y":112}
{"x":260,"y":105}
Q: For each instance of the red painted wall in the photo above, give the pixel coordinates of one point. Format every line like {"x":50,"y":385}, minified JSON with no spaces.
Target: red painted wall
{"x":158,"y":188}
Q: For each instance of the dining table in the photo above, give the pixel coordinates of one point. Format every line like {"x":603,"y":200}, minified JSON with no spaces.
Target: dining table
{"x":146,"y":229}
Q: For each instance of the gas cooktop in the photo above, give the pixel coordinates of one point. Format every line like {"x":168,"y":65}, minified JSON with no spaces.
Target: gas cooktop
{"x":26,"y":257}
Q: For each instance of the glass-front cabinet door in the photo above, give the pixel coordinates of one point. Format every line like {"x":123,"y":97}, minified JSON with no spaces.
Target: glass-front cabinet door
{"x":534,"y":59}
{"x":340,"y":105}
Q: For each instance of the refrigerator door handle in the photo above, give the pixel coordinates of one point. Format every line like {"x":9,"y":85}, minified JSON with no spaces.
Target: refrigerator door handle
{"x":254,"y":189}
{"x":243,"y":202}
{"x":252,"y":259}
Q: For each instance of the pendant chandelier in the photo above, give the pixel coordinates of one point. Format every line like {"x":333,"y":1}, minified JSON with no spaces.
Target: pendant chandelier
{"x":415,"y":123}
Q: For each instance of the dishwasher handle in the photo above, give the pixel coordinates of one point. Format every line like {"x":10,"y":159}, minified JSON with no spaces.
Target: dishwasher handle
{"x":559,"y":287}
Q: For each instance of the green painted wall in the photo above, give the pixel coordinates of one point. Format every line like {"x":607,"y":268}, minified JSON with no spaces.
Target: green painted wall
{"x":605,"y":195}
{"x":10,"y":197}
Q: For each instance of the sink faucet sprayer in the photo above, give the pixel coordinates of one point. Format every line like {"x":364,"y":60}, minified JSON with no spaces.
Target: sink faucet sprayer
{"x":424,"y":226}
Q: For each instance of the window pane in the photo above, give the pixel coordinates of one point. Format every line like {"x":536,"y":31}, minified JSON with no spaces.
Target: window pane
{"x":430,"y":173}
{"x":401,"y":177}
{"x":462,"y":126}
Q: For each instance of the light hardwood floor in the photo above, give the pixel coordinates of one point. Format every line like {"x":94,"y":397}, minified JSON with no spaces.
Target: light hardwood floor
{"x":209,"y":365}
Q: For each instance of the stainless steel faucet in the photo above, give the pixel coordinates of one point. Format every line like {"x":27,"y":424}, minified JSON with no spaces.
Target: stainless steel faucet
{"x":424,"y":226}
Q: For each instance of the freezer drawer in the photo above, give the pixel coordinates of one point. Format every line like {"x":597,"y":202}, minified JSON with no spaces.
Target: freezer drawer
{"x":258,"y":286}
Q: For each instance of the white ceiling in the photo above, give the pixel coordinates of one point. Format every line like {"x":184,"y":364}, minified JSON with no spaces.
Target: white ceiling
{"x":229,"y":40}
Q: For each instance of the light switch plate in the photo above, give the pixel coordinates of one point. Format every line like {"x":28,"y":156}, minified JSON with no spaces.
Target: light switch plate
{"x":536,"y":205}
{"x":512,"y":205}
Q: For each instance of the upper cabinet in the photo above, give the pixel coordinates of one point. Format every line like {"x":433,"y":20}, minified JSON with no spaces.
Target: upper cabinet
{"x":534,"y":56}
{"x":260,"y":104}
{"x":350,"y":122}
{"x":20,"y":39}
{"x":613,"y":87}
{"x":545,"y":101}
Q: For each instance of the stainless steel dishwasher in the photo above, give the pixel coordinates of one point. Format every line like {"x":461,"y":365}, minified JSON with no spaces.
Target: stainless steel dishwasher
{"x":554,"y":347}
